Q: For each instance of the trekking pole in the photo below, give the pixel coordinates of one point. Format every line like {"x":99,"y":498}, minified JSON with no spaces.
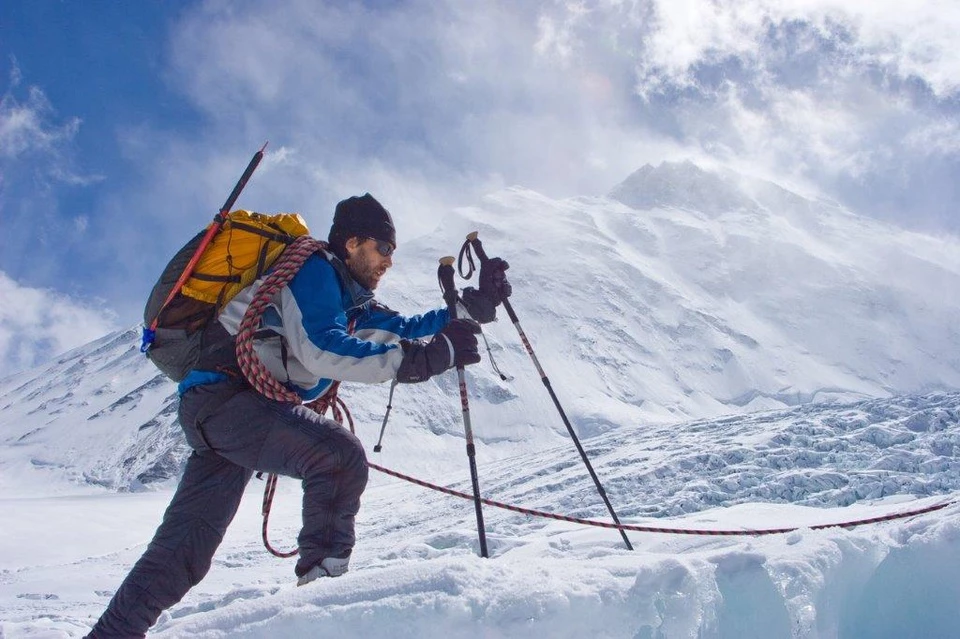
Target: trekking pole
{"x":474,"y":241}
{"x":445,"y":275}
{"x":212,"y":230}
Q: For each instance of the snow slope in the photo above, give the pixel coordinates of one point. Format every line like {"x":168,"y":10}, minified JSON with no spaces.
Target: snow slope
{"x":416,"y":572}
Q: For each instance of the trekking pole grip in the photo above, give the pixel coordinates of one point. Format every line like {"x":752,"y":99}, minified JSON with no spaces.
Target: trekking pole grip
{"x":474,"y":240}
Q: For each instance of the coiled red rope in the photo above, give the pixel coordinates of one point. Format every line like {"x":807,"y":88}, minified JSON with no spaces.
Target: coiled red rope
{"x":283,"y":271}
{"x":264,"y":382}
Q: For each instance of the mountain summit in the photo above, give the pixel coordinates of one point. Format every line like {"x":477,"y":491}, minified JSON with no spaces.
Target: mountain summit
{"x":682,"y":185}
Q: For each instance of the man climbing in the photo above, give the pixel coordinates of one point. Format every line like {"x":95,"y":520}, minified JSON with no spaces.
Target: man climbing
{"x":325,"y":326}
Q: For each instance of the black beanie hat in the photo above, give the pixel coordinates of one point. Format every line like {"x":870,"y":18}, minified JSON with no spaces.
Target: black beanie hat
{"x":361,"y":216}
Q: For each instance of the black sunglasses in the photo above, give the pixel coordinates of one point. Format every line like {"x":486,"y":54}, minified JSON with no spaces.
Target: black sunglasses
{"x":383,"y":248}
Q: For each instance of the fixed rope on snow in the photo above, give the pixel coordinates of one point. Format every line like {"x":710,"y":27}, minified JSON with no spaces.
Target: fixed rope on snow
{"x":658,"y":529}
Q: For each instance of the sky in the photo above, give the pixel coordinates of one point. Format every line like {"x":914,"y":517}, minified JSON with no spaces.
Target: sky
{"x":123,"y":126}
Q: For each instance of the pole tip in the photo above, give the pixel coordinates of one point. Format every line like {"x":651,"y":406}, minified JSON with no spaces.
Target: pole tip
{"x":472,"y":236}
{"x":448,"y":260}
{"x":264,"y":147}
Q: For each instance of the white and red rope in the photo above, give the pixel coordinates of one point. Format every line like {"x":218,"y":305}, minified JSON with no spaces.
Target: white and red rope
{"x":283,"y":271}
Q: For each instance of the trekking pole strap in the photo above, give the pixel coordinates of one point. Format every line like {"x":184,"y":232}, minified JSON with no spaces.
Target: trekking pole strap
{"x":465,"y":253}
{"x":473,"y":241}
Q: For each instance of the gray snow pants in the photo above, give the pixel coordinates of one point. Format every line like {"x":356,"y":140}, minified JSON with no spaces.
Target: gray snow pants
{"x":232,"y":434}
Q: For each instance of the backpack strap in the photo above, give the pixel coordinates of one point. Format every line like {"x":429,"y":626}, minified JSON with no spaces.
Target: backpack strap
{"x":275,"y":237}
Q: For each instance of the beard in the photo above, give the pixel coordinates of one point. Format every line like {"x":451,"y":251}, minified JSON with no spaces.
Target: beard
{"x":366,"y":274}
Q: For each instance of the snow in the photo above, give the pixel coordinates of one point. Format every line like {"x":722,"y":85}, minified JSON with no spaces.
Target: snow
{"x":775,"y":362}
{"x":416,"y":572}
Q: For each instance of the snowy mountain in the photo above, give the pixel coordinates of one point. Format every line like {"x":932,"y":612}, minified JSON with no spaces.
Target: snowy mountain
{"x":733,"y":355}
{"x":685,"y":294}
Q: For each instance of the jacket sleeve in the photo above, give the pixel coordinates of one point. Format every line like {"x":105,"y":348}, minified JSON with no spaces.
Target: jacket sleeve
{"x":382,"y":324}
{"x":315,"y":328}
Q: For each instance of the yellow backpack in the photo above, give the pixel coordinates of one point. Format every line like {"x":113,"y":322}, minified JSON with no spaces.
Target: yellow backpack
{"x":241,"y":252}
{"x":244,"y":248}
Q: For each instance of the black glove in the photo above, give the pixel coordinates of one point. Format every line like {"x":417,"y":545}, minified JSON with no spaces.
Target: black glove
{"x":494,"y":288}
{"x":454,"y":345}
{"x":493,"y":280}
{"x":481,"y":308}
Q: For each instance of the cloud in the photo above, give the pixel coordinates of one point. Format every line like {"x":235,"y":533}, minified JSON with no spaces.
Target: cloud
{"x":37,"y":324}
{"x":858,"y":98}
{"x":919,"y":43}
{"x":37,"y":161}
{"x":463,"y":97}
{"x":22,"y":126}
{"x":29,"y":129}
{"x":567,"y":98}
{"x":35,"y":139}
{"x":430,"y":105}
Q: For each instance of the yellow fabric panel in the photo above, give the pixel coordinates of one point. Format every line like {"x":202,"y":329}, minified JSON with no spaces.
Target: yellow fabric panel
{"x":236,"y":252}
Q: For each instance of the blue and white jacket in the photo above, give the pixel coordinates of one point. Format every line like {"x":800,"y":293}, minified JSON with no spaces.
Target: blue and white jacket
{"x":304,"y":340}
